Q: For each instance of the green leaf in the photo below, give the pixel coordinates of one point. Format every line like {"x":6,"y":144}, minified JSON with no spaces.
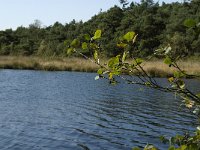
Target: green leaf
{"x":97,"y":34}
{"x":167,"y":61}
{"x":93,"y":46}
{"x":182,"y":147}
{"x":124,"y":56}
{"x":139,"y":61}
{"x":121,"y":45}
{"x":178,"y":74}
{"x":171,"y":148}
{"x":84,"y":46}
{"x":87,"y":37}
{"x":69,"y":51}
{"x":100,"y":71}
{"x":190,"y":23}
{"x":95,"y":55}
{"x":171,"y":79}
{"x":198,"y":95}
{"x":150,"y":147}
{"x":129,"y":36}
{"x":181,"y":84}
{"x":136,"y":148}
{"x":147,"y":84}
{"x":66,"y":42}
{"x":116,"y":72}
{"x":75,"y":43}
{"x":96,"y":78}
{"x":198,"y":128}
{"x":110,"y":76}
{"x":113,"y":62}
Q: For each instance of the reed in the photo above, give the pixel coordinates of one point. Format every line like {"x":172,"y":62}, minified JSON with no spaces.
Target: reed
{"x":49,"y":64}
{"x":155,"y":68}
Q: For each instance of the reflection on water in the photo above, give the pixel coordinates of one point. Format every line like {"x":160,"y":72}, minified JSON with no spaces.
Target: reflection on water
{"x":66,"y":110}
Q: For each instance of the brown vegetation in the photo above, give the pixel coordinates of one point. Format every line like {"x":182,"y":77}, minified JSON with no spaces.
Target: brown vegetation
{"x":154,"y":68}
{"x":49,"y":64}
{"x":159,"y":69}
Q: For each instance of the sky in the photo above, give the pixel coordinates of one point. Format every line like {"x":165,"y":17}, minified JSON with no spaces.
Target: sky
{"x":15,"y":13}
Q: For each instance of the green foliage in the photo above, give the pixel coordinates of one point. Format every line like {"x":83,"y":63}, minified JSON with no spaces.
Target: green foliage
{"x":198,"y":95}
{"x":138,"y":61}
{"x":179,"y":74}
{"x":117,"y":65}
{"x":75,"y":43}
{"x":167,"y":61}
{"x":84,"y":46}
{"x":87,"y":37}
{"x":69,"y":51}
{"x":129,"y":36}
{"x":97,"y":34}
{"x":156,"y":26}
{"x":113,"y":62}
{"x":122,"y":45}
{"x":95,"y":55}
{"x":136,"y":148}
{"x":124,"y":56}
{"x":100,"y":71}
{"x":190,"y":23}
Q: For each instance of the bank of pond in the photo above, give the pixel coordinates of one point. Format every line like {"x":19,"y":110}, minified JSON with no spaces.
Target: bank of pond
{"x":155,"y":68}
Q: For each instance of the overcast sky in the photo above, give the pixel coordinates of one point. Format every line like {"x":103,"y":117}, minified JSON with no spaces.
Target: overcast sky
{"x":14,"y":13}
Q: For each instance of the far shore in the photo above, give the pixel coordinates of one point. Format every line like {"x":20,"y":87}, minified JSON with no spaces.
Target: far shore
{"x":155,"y":68}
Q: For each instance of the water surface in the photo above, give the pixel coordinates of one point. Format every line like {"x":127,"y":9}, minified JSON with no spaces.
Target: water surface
{"x":68,"y":110}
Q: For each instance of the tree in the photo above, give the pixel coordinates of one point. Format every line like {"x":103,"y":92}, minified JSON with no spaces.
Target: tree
{"x":37,"y":24}
{"x":116,"y":66}
{"x":156,"y":26}
{"x":124,"y":3}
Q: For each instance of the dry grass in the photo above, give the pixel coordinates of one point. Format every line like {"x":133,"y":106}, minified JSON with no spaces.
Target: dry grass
{"x":159,"y":69}
{"x":50,"y":64}
{"x":154,"y":68}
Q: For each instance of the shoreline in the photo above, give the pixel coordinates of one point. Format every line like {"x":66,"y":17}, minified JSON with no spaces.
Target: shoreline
{"x":155,"y":68}
{"x":46,"y":64}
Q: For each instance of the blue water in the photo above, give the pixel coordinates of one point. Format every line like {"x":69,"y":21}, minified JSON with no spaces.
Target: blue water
{"x":69,"y":110}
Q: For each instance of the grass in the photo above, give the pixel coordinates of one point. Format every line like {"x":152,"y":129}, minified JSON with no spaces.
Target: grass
{"x":159,"y":69}
{"x":154,"y":68}
{"x":49,"y":64}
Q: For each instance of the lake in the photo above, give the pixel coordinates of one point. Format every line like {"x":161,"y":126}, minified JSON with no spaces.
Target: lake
{"x":70,"y":110}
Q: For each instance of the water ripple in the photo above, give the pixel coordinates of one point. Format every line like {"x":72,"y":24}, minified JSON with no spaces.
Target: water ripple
{"x":66,"y":110}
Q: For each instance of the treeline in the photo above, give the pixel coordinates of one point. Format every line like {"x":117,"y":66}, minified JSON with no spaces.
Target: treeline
{"x":156,"y":26}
